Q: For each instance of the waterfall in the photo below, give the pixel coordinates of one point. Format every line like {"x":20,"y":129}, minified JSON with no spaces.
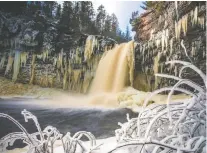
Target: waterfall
{"x":113,"y":71}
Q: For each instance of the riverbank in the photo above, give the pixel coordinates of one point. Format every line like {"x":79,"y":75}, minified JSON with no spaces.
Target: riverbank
{"x":129,"y":98}
{"x":9,"y":89}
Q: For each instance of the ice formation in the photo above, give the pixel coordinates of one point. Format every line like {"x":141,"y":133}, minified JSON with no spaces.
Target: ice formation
{"x":156,"y":67}
{"x":173,"y":127}
{"x":91,"y":42}
{"x":16,"y":65}
{"x":3,"y":59}
{"x":9,"y":63}
{"x":23,"y":58}
{"x":32,"y":70}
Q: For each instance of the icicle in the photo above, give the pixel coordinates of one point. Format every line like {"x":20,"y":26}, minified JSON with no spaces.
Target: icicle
{"x":86,"y":82}
{"x":161,"y":67}
{"x":143,"y":54}
{"x":193,"y":51}
{"x":89,"y":47}
{"x":140,"y":48}
{"x":39,"y":56}
{"x":77,"y":57}
{"x":176,"y":30}
{"x":157,"y":43}
{"x":201,"y":22}
{"x":54,"y":61}
{"x":23,"y":58}
{"x":16,"y":66}
{"x":184,"y":23}
{"x":60,"y":61}
{"x":156,"y":67}
{"x":171,"y":46}
{"x":44,"y":56}
{"x":9,"y":64}
{"x":166,"y":38}
{"x":32,"y":71}
{"x":160,"y":19}
{"x":151,"y":34}
{"x":191,"y":16}
{"x":179,"y":28}
{"x":163,"y":39}
{"x":3,"y":59}
{"x":77,"y":74}
{"x":65,"y":78}
{"x":58,"y":76}
{"x":176,"y":8}
{"x":195,"y":15}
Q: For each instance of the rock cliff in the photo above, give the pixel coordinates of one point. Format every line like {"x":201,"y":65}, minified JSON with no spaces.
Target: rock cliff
{"x":178,"y":32}
{"x":30,"y":53}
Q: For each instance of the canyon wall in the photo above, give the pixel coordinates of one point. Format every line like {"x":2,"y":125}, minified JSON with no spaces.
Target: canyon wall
{"x":177,"y":32}
{"x":30,"y":54}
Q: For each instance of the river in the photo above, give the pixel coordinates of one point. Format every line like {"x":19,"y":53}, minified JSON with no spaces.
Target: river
{"x":101,"y":122}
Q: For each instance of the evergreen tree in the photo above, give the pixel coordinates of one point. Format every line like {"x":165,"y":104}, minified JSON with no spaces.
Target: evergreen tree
{"x":133,"y":19}
{"x":108,"y":24}
{"x":73,"y":17}
{"x":86,"y":14}
{"x":115,"y":23}
{"x":76,"y":21}
{"x":120,"y":37}
{"x":49,"y":7}
{"x":58,"y":11}
{"x":33,"y":7}
{"x":100,"y":18}
{"x":127,"y":34}
{"x":66,"y":17}
{"x":156,"y":6}
{"x":14,"y":7}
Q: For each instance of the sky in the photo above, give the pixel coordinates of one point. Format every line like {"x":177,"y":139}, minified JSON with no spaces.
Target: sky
{"x":122,"y":9}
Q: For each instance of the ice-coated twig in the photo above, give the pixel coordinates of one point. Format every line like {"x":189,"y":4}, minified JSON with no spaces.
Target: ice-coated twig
{"x":174,"y":127}
{"x":27,"y":115}
{"x":189,"y":65}
{"x":183,"y":46}
{"x":19,"y":126}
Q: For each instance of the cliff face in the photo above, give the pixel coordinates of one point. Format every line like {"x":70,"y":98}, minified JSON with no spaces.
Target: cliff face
{"x":178,"y":33}
{"x":30,"y":53}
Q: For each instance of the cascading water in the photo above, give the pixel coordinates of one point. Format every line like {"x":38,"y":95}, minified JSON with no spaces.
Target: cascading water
{"x":113,"y":71}
{"x":113,"y":74}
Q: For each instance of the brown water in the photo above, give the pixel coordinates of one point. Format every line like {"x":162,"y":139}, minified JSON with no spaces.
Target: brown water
{"x":112,"y":74}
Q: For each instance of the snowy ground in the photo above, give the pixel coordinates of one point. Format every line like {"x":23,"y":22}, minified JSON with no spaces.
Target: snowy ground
{"x":104,"y":146}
